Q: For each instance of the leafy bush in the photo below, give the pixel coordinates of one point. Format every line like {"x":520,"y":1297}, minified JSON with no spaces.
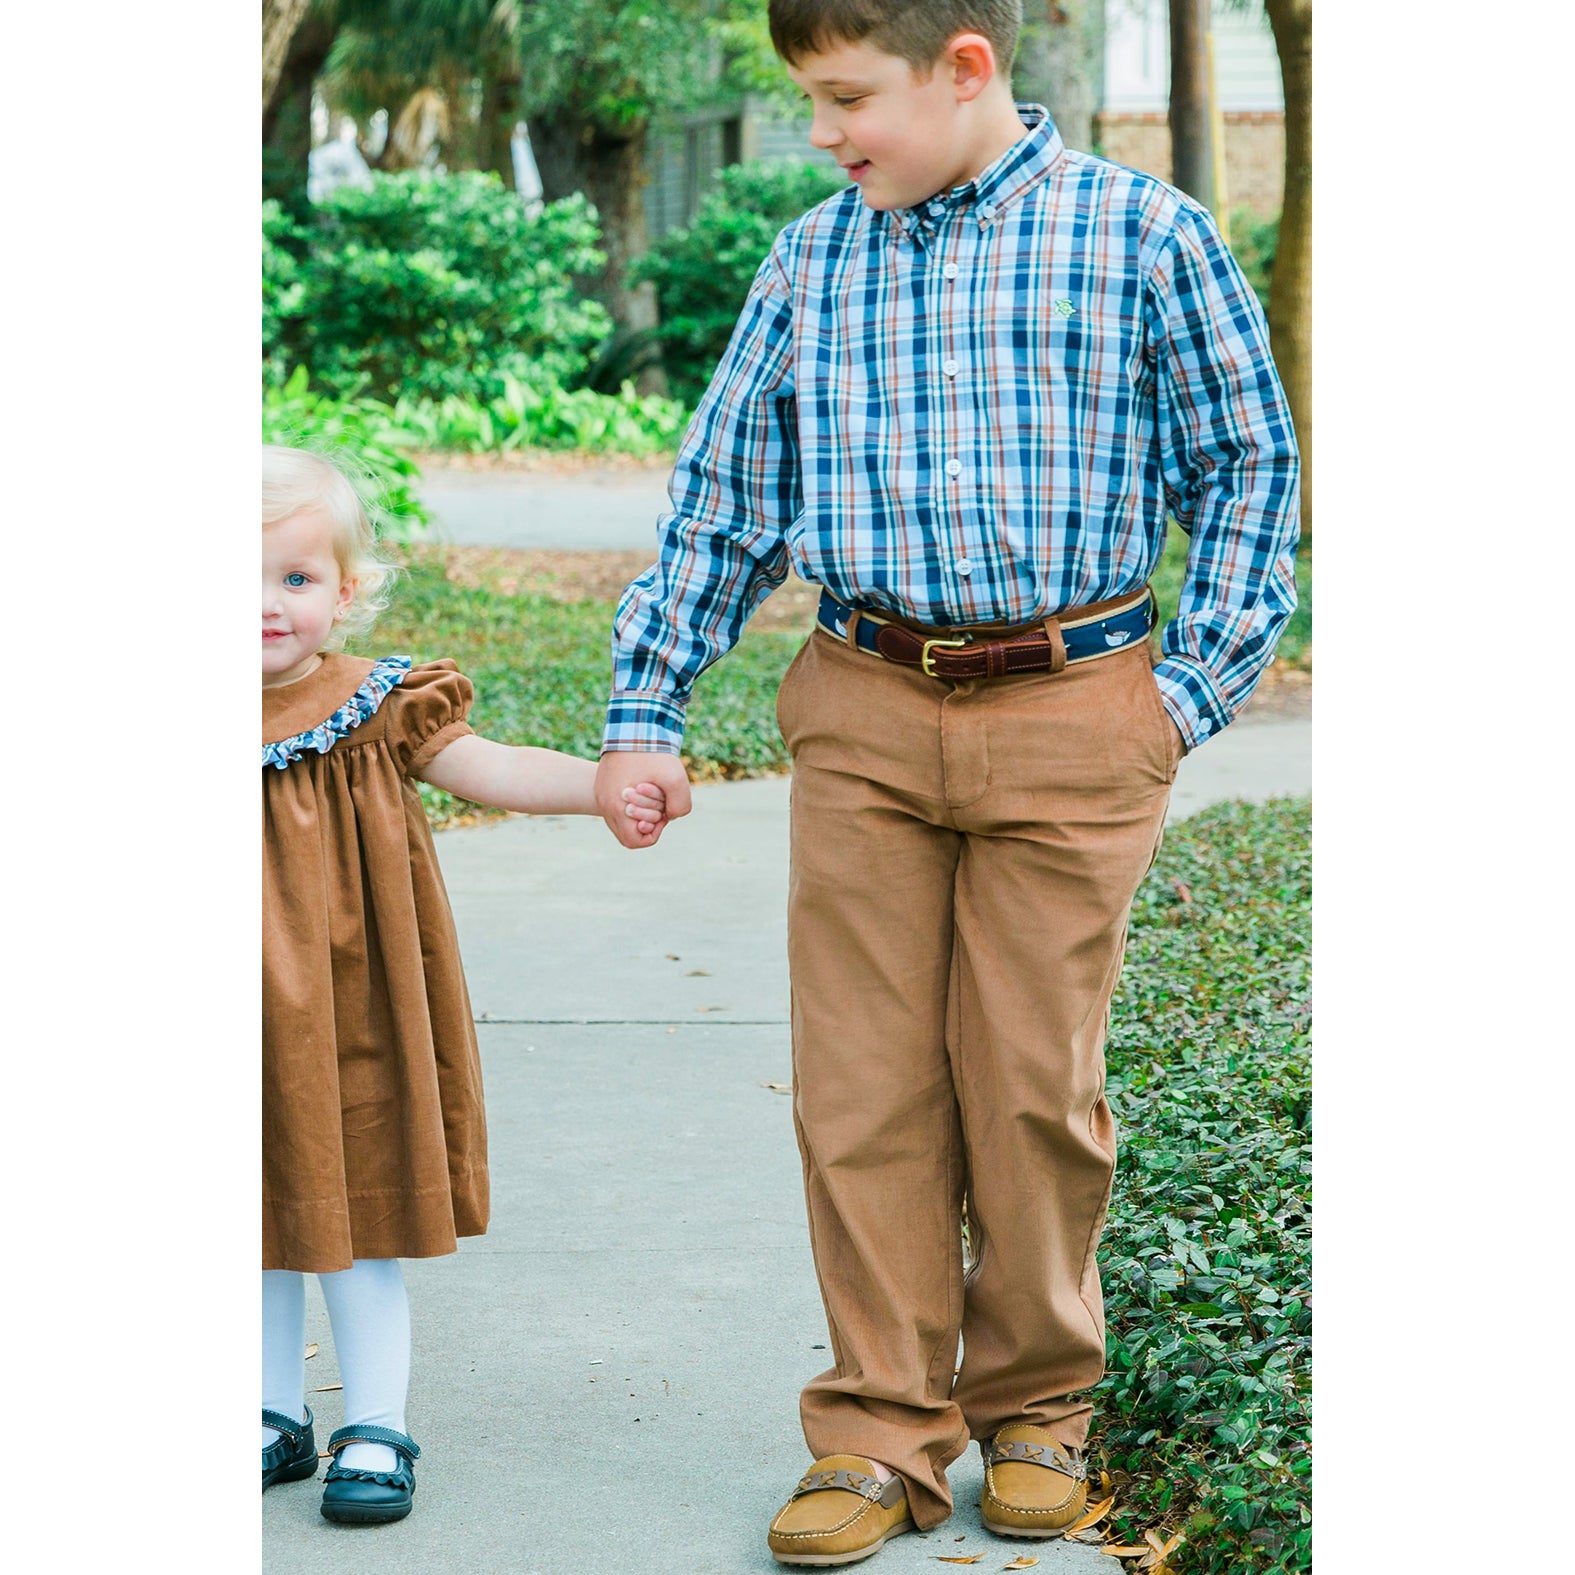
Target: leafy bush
{"x":362,"y":436}
{"x":282,"y":242}
{"x":429,"y":287}
{"x":702,"y":274}
{"x":527,"y":416}
{"x":1207,"y":1259}
{"x":1255,"y":242}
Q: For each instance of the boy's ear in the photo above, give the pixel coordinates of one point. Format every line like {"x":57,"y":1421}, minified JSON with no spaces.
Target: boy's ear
{"x":971,"y":59}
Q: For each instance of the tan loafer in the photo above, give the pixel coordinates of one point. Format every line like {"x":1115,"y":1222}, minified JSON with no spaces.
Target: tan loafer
{"x":1034,"y":1486}
{"x":839,"y":1513}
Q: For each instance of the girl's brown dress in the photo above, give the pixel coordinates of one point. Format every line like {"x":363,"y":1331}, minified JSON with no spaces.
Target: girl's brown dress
{"x":374,"y":1138}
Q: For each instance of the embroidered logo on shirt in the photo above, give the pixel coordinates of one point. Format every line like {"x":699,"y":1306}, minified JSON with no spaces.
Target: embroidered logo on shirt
{"x":1065,"y":308}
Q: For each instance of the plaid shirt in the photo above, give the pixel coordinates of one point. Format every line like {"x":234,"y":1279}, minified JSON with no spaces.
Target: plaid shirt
{"x":981,"y":410}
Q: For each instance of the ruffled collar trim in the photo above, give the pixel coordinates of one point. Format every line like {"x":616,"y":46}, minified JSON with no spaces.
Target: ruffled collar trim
{"x":387,"y":673}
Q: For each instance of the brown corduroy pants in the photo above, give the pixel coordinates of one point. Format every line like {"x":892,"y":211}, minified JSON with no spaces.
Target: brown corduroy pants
{"x":963,"y":860}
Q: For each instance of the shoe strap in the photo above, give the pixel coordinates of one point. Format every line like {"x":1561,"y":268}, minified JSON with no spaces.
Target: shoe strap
{"x":865,"y":1485}
{"x":1051,"y":1456}
{"x":280,"y":1423}
{"x":400,"y":1442}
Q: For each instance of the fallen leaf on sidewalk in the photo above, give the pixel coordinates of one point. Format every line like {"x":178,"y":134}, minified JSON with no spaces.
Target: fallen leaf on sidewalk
{"x":713,"y":1008}
{"x":1125,"y":1551}
{"x":1095,"y":1512}
{"x":963,"y":1558}
{"x":698,"y":973}
{"x":779,"y":1088}
{"x":1023,"y":1563}
{"x":327,"y":1389}
{"x":673,"y":957}
{"x":311,"y":1350}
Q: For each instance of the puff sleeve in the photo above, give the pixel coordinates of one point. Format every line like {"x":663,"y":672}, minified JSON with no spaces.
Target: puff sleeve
{"x":426,"y":713}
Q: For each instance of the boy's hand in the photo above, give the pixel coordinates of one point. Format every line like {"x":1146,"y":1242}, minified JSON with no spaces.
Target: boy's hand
{"x":658,"y":782}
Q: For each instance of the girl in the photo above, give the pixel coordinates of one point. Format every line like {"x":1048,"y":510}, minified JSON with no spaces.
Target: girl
{"x":374,"y":1139}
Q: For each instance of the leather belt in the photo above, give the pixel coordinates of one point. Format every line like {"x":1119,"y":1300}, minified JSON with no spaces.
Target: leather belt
{"x":1055,"y":644}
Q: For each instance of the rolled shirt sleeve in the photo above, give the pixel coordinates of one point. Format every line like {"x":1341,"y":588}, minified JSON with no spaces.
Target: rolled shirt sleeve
{"x":1231,"y":475}
{"x":734,"y":489}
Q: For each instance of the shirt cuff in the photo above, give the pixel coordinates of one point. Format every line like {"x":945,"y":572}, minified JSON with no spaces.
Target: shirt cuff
{"x":1192,"y":698}
{"x":648,"y":724}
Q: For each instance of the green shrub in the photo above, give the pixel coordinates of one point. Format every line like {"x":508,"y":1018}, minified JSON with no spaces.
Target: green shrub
{"x":431,"y":287}
{"x":359,"y":434}
{"x":1254,"y":241}
{"x":702,"y":274}
{"x":283,"y":241}
{"x":548,"y":417}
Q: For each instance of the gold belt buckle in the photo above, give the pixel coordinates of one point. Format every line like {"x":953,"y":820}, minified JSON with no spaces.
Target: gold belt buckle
{"x":927,"y":662}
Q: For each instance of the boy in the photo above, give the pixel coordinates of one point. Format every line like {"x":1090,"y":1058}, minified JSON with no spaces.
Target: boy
{"x":962,"y":397}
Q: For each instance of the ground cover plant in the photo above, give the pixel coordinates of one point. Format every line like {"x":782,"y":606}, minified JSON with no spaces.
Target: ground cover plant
{"x":1203,"y":1417}
{"x":524,"y":417}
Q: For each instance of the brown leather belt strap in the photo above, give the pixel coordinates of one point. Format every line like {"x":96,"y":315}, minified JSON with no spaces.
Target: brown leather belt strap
{"x":978,"y":655}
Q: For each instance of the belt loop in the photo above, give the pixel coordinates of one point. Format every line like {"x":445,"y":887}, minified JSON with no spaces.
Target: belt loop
{"x":851,"y":633}
{"x":1057,"y":645}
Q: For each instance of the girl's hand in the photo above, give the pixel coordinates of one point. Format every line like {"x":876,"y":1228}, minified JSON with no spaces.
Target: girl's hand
{"x":646,"y":805}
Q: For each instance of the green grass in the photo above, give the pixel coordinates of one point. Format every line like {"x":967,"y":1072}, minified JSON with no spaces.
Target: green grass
{"x":542,"y":668}
{"x":542,"y":671}
{"x":1207,"y":1257}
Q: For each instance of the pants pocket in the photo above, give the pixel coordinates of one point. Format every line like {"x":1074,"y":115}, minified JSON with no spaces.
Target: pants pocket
{"x":786,"y":691}
{"x":1170,"y":734}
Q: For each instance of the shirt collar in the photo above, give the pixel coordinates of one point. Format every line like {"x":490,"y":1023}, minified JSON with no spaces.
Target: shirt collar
{"x":995,"y":187}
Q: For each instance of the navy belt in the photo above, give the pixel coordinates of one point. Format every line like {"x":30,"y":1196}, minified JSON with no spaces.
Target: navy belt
{"x":1053,"y":645}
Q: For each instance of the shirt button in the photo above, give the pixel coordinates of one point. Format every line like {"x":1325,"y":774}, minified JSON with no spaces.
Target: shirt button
{"x":949,"y":271}
{"x":964,"y":568}
{"x":954,"y":467}
{"x":950,"y":368}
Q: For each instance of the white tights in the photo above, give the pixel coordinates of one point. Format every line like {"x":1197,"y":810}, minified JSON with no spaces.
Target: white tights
{"x":370,"y":1316}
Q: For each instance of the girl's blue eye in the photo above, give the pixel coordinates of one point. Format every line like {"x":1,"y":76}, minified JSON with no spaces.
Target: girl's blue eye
{"x":295,"y":581}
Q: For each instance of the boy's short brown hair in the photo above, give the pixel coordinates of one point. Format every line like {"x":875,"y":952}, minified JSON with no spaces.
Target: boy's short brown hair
{"x":917,"y":30}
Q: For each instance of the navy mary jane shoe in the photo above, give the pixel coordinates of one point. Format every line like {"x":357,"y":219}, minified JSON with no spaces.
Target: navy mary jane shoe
{"x":292,"y":1456}
{"x":361,"y":1498}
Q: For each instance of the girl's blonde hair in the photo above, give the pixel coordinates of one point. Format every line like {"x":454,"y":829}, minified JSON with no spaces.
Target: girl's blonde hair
{"x":297,"y":478}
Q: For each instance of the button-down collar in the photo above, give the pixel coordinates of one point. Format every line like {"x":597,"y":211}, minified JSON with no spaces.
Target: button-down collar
{"x":999,"y":184}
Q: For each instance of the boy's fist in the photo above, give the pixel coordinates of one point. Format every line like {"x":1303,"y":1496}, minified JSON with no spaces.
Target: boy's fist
{"x":624,"y":781}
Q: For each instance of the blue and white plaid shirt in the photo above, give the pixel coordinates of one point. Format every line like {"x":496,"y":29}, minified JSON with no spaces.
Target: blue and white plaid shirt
{"x":981,"y":410}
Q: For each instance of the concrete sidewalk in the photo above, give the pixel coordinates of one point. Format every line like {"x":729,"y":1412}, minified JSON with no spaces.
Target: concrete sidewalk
{"x":606,"y":509}
{"x":609,"y":1378}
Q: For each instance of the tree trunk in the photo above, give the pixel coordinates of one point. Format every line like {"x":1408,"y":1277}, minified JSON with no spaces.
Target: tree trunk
{"x":287,"y":122}
{"x":500,"y":112}
{"x":1191,"y":140}
{"x":280,"y":19}
{"x":609,"y":167}
{"x":1290,"y":290}
{"x":1071,"y":66}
